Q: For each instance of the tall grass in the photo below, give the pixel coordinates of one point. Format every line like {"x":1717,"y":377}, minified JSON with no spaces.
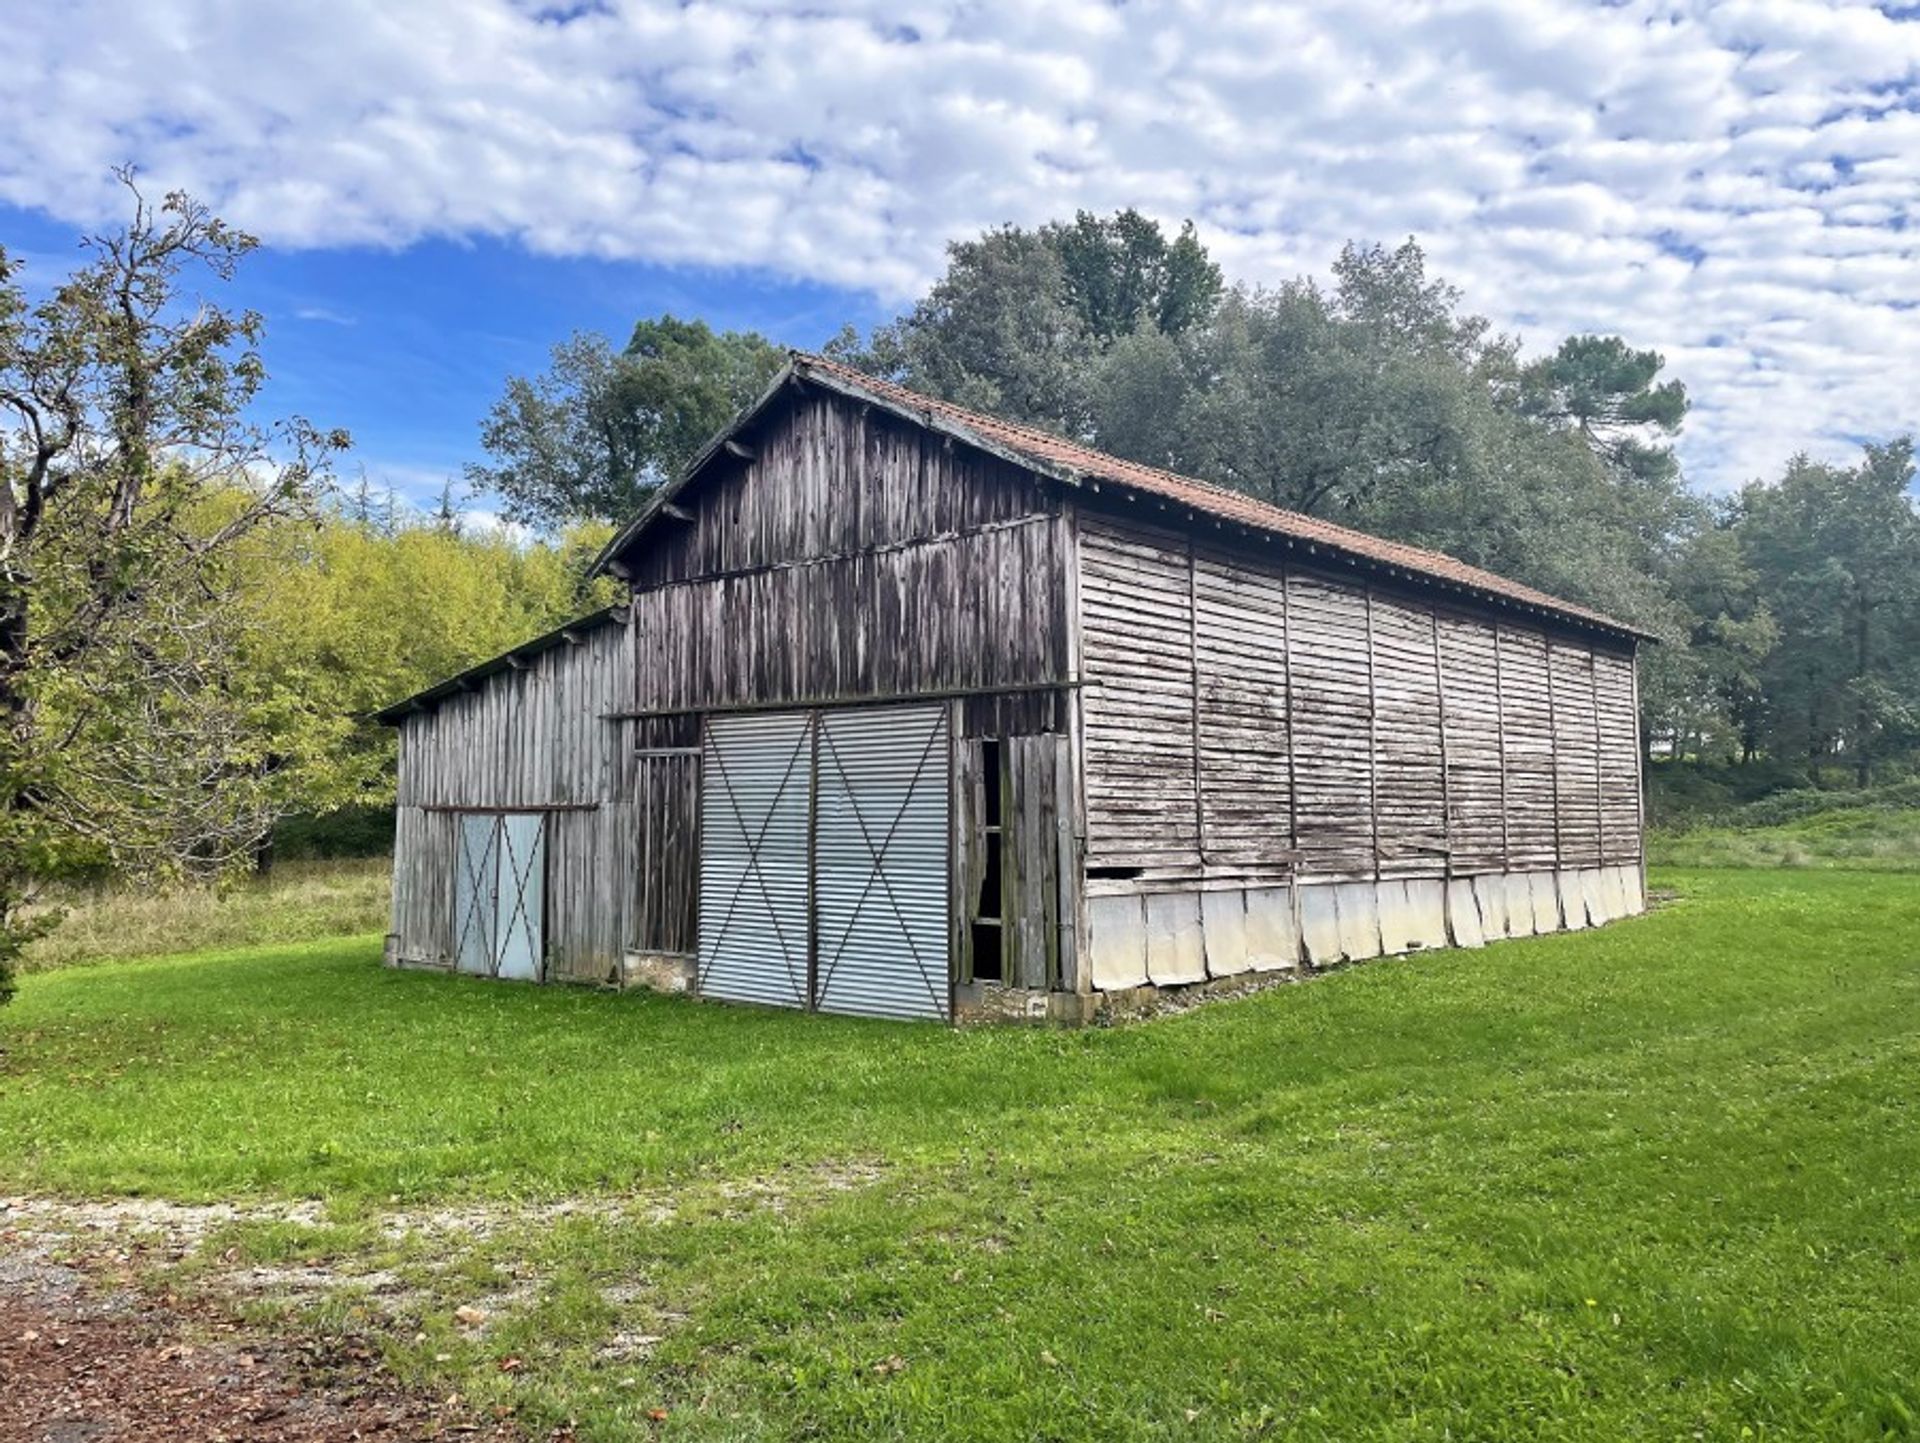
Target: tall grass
{"x":298,"y":902}
{"x":1877,"y":830}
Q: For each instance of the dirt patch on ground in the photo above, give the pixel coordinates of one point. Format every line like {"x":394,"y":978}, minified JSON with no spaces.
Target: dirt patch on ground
{"x":86,"y":1362}
{"x":96,"y":1346}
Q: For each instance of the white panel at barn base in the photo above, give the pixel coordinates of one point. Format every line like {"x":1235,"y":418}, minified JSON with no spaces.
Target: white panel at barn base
{"x":1636,"y":891}
{"x":1273,"y":935}
{"x":1320,"y":925}
{"x":755,"y":798}
{"x":1223,"y":917}
{"x":1613,"y":889}
{"x":1176,"y":949}
{"x":1413,"y":915}
{"x":1520,"y":908}
{"x":1490,"y":892}
{"x":1573,"y":904}
{"x":1594,"y":896}
{"x":1545,"y":891}
{"x":1463,"y":914}
{"x":881,"y":862}
{"x":1396,"y":916}
{"x":1358,"y":905}
{"x":1427,"y":904}
{"x":1116,"y":942}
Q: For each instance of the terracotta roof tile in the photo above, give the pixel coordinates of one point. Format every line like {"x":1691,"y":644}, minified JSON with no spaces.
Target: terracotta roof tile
{"x":1048,"y":452}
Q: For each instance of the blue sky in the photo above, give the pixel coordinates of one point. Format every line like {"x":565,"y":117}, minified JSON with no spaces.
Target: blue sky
{"x":407,"y":347}
{"x":447,"y":187}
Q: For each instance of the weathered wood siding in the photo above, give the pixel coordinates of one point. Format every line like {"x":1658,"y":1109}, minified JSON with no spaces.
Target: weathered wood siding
{"x":536,"y":739}
{"x":1024,"y":885}
{"x":1526,"y":731}
{"x":1137,"y":649}
{"x":1410,"y":751}
{"x":1245,"y":752}
{"x":1617,"y":710}
{"x":853,"y":558}
{"x":1475,"y":761}
{"x":832,"y":478}
{"x":1250,"y":721}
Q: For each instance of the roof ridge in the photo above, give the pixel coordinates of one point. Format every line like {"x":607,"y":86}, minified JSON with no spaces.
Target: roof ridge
{"x":1049,"y":448}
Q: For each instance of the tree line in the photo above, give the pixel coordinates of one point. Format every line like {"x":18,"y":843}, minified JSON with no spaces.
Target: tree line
{"x":1789,"y":612}
{"x":196,"y":616}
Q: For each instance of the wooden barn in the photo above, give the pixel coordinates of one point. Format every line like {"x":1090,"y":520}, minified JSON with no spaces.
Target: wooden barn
{"x":910,"y":712}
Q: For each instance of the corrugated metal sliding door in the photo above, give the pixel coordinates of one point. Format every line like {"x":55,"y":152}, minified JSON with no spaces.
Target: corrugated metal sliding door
{"x":474,"y":885}
{"x":499,"y":895}
{"x":521,"y":908}
{"x":756,"y":801}
{"x":881,"y":862}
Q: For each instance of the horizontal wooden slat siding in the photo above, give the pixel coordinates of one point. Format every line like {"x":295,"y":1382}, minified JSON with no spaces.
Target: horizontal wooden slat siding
{"x":1409,"y":780}
{"x":1413,"y":740}
{"x":1470,"y":685}
{"x":1330,"y":661}
{"x":1576,"y":754}
{"x":1246,"y":793}
{"x":1136,"y":632}
{"x":1619,"y":727}
{"x":981,"y":610}
{"x":1526,"y":721}
{"x":831,"y":478}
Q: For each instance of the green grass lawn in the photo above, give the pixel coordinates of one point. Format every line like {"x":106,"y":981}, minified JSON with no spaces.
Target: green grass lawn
{"x":1657,"y":1181}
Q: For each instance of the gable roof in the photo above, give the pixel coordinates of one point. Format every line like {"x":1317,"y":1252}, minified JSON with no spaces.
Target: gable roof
{"x":1082,"y":466}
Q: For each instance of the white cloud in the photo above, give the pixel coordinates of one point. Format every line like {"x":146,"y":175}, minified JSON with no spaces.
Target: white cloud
{"x":1734,"y":183}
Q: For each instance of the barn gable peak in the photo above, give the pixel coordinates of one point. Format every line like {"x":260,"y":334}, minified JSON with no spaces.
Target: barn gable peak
{"x":1183,"y":499}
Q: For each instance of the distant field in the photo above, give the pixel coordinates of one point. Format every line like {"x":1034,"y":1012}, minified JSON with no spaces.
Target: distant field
{"x":1877,"y":830}
{"x":1656,"y":1181}
{"x":299,"y":902}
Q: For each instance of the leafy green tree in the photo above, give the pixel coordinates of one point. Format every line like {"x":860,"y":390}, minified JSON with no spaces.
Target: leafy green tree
{"x":1707,"y":697}
{"x":1837,"y":553}
{"x":1122,"y":273}
{"x":594,"y":434}
{"x":1018,"y":324}
{"x":1611,"y":394}
{"x":341,"y":617}
{"x":124,"y":411}
{"x":1382,"y":403}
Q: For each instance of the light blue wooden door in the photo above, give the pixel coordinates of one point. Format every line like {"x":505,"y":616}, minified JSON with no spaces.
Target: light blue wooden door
{"x":475,"y":878}
{"x":520,"y":908}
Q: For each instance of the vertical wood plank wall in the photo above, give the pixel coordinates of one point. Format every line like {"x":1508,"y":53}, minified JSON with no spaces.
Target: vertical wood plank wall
{"x":1252,"y":725}
{"x":856,"y":557}
{"x":535,"y":738}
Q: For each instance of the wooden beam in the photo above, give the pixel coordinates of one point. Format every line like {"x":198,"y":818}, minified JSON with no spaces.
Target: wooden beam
{"x":804,"y":703}
{"x":535,"y":809}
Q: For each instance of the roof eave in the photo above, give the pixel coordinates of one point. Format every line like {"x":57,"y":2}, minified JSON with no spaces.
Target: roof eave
{"x":393,"y":714}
